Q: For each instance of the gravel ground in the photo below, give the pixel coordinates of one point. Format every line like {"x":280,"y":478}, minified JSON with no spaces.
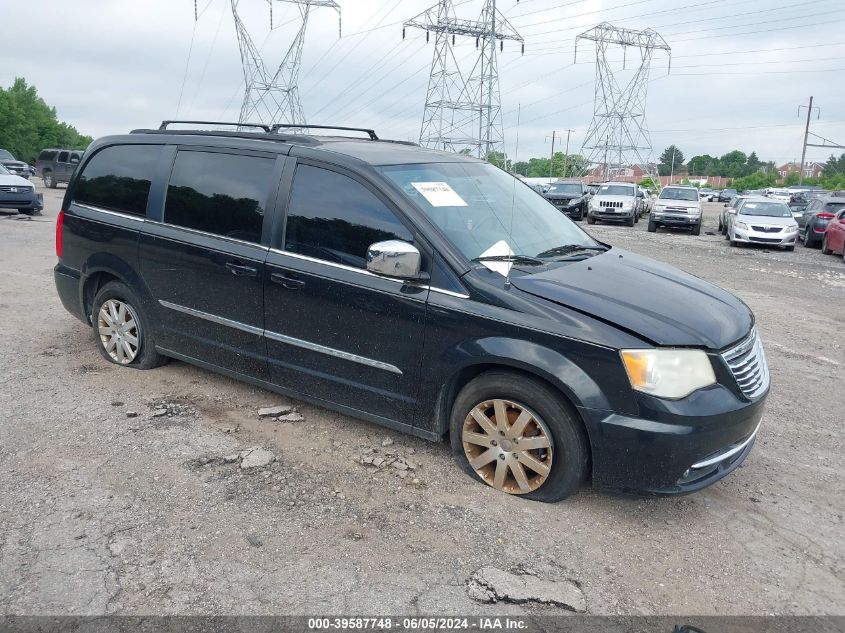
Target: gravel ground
{"x":125,"y":491}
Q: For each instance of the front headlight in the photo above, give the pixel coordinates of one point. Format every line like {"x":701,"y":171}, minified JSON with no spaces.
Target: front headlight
{"x":660,"y":207}
{"x":668,"y":373}
{"x":741,"y":225}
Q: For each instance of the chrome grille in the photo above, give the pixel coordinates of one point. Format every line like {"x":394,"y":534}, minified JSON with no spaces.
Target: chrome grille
{"x":608,"y":204}
{"x":15,"y":189}
{"x":767,"y":229}
{"x":747,"y":363}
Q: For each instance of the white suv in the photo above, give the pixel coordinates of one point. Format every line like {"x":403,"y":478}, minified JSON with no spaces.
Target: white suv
{"x":677,"y":206}
{"x":616,"y":201}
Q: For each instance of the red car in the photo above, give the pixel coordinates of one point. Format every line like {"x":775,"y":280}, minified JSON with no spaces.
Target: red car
{"x":834,"y":236}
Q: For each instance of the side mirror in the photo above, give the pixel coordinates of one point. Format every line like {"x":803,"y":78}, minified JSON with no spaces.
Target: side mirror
{"x":394,"y":258}
{"x":74,"y":161}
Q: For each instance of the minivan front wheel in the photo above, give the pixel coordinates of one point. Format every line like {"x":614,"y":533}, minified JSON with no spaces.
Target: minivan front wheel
{"x":518,"y":436}
{"x":121,"y":329}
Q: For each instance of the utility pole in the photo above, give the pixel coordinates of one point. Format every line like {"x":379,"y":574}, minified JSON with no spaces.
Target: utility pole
{"x":806,"y":134}
{"x":552,"y":155}
{"x":566,"y":154}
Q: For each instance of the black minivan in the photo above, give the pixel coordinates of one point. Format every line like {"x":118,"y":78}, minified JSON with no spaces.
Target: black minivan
{"x":425,"y":291}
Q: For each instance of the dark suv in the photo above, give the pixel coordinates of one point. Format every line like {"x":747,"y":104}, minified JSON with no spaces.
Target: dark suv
{"x":570,"y":197}
{"x":57,"y":165}
{"x":419,"y":290}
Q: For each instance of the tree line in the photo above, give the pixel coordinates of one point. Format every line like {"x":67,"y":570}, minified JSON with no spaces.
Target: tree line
{"x":28,"y":124}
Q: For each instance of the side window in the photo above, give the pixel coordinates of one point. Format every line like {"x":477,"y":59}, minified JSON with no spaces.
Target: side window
{"x":47,"y":154}
{"x":118,"y":178}
{"x":63,"y":157}
{"x":223,"y":194}
{"x":333,"y":217}
{"x":74,"y":157}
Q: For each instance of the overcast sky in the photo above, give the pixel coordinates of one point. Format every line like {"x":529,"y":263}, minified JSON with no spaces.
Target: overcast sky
{"x":739,"y":69}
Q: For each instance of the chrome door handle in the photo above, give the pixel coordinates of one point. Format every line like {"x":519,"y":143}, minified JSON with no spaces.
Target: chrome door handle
{"x":241,"y":271}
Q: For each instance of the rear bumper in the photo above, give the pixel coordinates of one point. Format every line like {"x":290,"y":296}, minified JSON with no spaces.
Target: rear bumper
{"x":69,"y":291}
{"x":686,"y":450}
{"x":29,"y":200}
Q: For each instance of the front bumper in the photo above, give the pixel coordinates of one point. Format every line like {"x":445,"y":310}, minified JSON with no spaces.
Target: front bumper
{"x":673,"y":447}
{"x":675,"y":219}
{"x":750,"y":236}
{"x":603,"y":213}
{"x":31,"y":200}
{"x":574,"y":209}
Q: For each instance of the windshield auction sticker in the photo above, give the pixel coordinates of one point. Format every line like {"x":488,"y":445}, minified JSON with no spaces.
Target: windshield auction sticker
{"x":439,"y":194}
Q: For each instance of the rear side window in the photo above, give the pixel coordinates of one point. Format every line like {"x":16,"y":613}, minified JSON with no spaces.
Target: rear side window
{"x":333,"y":217}
{"x":47,"y":154}
{"x":118,"y":178}
{"x":223,"y":194}
{"x":63,"y":157}
{"x":833,"y":207}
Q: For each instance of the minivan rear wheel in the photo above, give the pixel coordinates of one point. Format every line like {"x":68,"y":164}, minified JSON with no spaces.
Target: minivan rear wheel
{"x":517,"y":435}
{"x":121,"y":329}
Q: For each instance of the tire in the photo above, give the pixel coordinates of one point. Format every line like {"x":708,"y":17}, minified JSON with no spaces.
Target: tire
{"x":110,"y":298}
{"x":720,"y":224}
{"x":636,"y":219}
{"x":630,"y":221}
{"x":652,"y":226}
{"x":550,"y":417}
{"x":790,"y":248}
{"x":825,"y":249}
{"x":591,"y":219}
{"x":808,"y":241}
{"x":696,"y":230}
{"x":51,"y":181}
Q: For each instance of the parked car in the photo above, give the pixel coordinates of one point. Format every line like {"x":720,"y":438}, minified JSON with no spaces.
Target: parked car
{"x":726,"y":195}
{"x":415,"y":289}
{"x":615,"y":201}
{"x":813,"y":222}
{"x":16,"y":192}
{"x":57,"y":165}
{"x":834,"y":236}
{"x":760,"y":220}
{"x":781,"y":195}
{"x":797,"y":204}
{"x":570,"y":197}
{"x":706,"y":194}
{"x":14,"y":166}
{"x":728,"y":209}
{"x":677,"y":206}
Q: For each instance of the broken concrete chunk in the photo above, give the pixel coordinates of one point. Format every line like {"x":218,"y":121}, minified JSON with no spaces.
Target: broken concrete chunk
{"x":271,"y":412}
{"x":490,"y":584}
{"x":387,"y":442}
{"x":293,"y":416}
{"x":231,"y":459}
{"x":256,"y":458}
{"x":159,"y":412}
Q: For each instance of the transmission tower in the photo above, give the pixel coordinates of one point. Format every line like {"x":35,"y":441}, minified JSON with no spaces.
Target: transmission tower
{"x":463,"y":111}
{"x":618,"y":137}
{"x":273,"y":97}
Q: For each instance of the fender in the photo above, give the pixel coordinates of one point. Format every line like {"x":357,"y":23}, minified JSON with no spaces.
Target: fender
{"x":552,"y":366}
{"x":104,"y":262}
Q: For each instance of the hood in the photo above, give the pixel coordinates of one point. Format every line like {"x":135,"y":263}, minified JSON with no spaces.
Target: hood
{"x":8,"y":162}
{"x":764,"y":220}
{"x":563,"y":196}
{"x":14,"y":181}
{"x":656,"y":301}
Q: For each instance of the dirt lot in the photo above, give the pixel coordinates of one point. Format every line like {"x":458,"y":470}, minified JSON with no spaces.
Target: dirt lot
{"x":107,"y":513}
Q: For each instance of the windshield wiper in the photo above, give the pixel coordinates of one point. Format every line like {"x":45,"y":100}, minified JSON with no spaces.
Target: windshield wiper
{"x":516,"y":259}
{"x":570,"y":248}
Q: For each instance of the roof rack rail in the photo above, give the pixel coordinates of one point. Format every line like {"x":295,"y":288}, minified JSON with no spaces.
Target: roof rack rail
{"x":280,"y":126}
{"x":262,"y":126}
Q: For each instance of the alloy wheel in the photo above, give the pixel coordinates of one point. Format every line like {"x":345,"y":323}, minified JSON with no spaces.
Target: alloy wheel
{"x":117,"y":326}
{"x":508,"y":446}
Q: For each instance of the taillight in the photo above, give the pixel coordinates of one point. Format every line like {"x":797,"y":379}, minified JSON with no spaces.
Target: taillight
{"x":824,"y":216}
{"x":60,"y":220}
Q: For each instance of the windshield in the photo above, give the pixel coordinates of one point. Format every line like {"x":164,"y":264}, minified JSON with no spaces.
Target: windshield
{"x":678,"y":194}
{"x":616,"y":190}
{"x":4,"y":155}
{"x":477,"y":206}
{"x":4,"y":171}
{"x":767,"y":209}
{"x":565,"y":187}
{"x":834,"y":206}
